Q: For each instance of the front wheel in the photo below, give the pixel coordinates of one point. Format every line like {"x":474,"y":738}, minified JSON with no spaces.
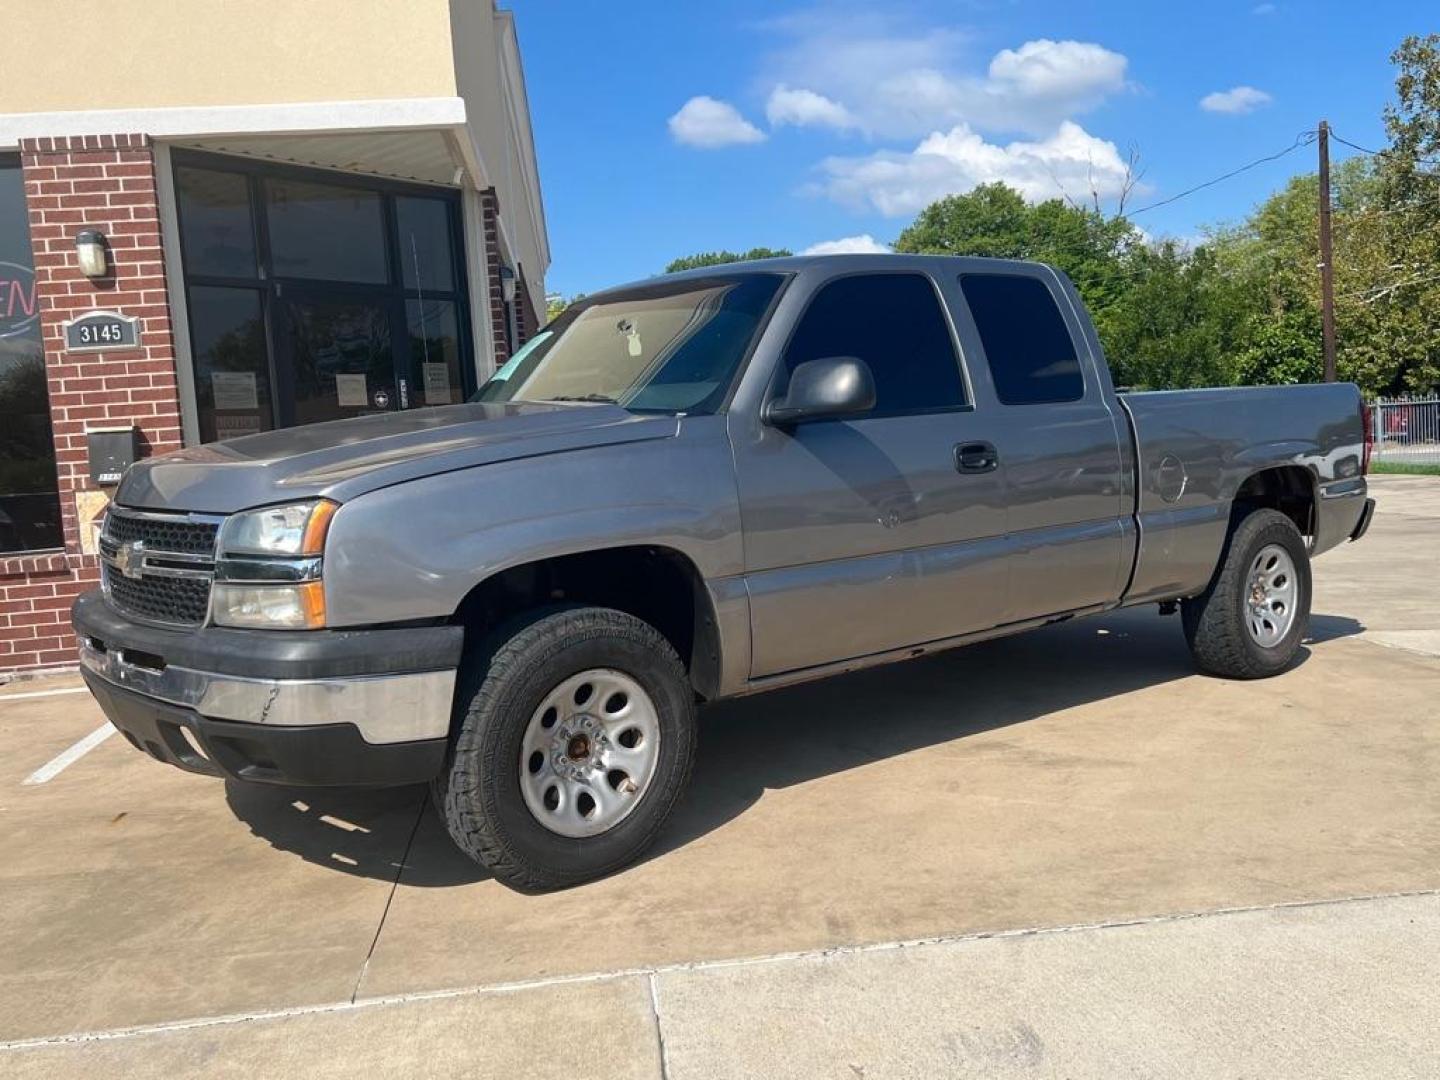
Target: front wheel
{"x":576,"y":738}
{"x":1249,"y":623}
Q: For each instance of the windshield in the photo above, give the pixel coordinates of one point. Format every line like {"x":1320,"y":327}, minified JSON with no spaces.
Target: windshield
{"x":672,"y":347}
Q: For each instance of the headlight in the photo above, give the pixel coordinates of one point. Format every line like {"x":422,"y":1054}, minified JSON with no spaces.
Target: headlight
{"x":296,"y":529}
{"x":269,"y":607}
{"x":267,"y":575}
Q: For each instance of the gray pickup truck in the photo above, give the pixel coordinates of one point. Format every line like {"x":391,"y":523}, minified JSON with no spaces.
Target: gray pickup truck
{"x":704,"y":485}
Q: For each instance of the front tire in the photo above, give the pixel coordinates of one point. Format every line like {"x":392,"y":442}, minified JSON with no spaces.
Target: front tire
{"x":576,"y":738}
{"x":1249,"y":623}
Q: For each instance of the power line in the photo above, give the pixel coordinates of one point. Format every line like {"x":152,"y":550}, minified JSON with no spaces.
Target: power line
{"x":1305,"y":138}
{"x":1376,"y":292}
{"x":1378,"y":153}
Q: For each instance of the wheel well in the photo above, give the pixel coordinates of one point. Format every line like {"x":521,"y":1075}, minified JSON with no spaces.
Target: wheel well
{"x":656,"y":584}
{"x":1286,"y":488}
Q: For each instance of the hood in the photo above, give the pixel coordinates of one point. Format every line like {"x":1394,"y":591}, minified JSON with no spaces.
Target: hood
{"x":345,"y":458}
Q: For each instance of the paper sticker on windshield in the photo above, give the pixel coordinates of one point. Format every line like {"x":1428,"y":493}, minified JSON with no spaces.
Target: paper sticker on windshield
{"x":351,"y":392}
{"x":633,"y":344}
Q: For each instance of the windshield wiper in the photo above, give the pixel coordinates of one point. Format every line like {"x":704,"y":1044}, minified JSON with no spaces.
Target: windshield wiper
{"x":605,"y":398}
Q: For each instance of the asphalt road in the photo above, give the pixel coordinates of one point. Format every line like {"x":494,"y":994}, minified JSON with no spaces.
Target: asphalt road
{"x":1058,"y":854}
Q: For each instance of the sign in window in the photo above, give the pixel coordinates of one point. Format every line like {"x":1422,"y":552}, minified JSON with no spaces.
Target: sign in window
{"x":29,"y":498}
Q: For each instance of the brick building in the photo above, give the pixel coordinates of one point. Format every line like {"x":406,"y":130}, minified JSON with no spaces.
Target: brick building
{"x":235,"y":217}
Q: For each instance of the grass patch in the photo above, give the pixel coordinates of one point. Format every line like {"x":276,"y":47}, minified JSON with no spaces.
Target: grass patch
{"x":1403,"y":468}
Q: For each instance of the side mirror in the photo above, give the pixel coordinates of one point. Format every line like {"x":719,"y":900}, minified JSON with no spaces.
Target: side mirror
{"x":825,"y":389}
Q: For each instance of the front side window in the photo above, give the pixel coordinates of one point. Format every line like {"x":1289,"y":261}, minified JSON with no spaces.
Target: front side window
{"x":1027,"y":345}
{"x":29,"y":498}
{"x":894,"y":323}
{"x":670,"y":348}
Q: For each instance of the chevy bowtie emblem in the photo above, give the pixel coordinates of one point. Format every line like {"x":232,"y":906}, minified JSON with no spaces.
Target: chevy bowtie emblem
{"x":130,"y":559}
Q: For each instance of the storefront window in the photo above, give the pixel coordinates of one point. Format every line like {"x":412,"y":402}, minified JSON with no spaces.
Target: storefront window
{"x":427,"y":262}
{"x":331,"y":233}
{"x":29,"y":497}
{"x":232,"y":374}
{"x":434,"y":351}
{"x":312,"y":300}
{"x":219,"y":236}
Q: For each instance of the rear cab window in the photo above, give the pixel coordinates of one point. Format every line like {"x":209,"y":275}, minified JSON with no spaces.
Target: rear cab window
{"x":1028,"y":347}
{"x":893,"y":322}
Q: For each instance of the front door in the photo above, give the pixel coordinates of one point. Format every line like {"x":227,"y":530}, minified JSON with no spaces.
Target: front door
{"x":865,"y":535}
{"x":316,"y":295}
{"x":341,"y":351}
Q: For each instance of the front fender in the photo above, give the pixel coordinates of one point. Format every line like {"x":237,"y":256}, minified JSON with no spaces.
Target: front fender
{"x":414,"y":550}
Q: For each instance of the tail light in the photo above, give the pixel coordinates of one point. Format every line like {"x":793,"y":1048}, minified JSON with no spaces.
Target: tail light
{"x":1367,"y":417}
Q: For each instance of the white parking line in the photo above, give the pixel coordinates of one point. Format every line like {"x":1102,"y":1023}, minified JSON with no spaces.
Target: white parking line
{"x":43,"y":693}
{"x":58,"y":764}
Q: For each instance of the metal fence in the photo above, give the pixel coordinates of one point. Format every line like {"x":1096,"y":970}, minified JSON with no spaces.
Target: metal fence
{"x":1406,"y":430}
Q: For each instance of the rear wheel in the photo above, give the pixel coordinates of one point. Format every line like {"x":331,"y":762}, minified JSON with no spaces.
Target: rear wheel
{"x":1249,"y":623}
{"x":576,"y":738}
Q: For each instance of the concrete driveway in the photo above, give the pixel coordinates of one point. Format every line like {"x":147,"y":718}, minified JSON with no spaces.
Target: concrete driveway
{"x":1057,"y":854}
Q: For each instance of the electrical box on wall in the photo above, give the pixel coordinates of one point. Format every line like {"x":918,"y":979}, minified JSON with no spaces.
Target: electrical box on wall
{"x":112,"y":450}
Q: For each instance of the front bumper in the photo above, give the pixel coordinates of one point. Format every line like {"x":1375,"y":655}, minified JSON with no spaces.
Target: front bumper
{"x":367,"y":707}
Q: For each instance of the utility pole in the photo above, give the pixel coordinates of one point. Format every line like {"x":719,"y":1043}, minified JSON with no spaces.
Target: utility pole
{"x":1327,"y":254}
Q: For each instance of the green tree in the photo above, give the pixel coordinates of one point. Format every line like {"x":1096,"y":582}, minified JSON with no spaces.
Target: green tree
{"x":995,"y":221}
{"x":1176,"y":321}
{"x":1407,"y":305}
{"x":555,"y":305}
{"x":718,"y":258}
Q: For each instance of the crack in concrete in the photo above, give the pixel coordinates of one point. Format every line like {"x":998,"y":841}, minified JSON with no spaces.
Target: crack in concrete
{"x":659,"y":1027}
{"x":389,"y":899}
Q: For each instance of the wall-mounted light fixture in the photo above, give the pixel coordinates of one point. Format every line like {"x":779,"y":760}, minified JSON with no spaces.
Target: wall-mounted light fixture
{"x":92,"y":250}
{"x":507,"y":284}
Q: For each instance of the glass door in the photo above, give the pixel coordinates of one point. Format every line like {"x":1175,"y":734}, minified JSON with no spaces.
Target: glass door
{"x":318,"y":295}
{"x":340,"y":351}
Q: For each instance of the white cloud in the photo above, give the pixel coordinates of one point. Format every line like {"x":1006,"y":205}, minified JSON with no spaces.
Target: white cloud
{"x":1076,"y":72}
{"x":898,"y":183}
{"x":897,"y":82}
{"x":1237,"y":100}
{"x":864,"y":244}
{"x":707,"y":123}
{"x":805,"y":108}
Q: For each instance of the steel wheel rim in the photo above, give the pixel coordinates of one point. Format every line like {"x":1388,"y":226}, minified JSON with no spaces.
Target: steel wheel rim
{"x":1271,"y":598}
{"x":589,"y":753}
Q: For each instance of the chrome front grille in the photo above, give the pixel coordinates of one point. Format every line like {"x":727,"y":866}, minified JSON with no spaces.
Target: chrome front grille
{"x":158,"y":567}
{"x":179,"y":534}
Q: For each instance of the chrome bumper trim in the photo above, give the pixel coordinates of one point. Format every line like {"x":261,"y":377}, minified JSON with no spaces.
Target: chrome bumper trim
{"x":1347,"y":488}
{"x":384,"y":708}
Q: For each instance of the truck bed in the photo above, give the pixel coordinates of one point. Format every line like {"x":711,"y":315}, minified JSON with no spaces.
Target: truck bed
{"x":1194,"y":448}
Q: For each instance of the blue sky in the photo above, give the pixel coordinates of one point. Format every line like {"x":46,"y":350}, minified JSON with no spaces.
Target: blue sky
{"x":666,"y":128}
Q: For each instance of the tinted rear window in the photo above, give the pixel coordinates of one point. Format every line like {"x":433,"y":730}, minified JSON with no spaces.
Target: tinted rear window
{"x":1027,"y":345}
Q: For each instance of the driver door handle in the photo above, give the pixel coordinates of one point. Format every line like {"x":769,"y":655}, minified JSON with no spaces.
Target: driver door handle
{"x":976,"y":457}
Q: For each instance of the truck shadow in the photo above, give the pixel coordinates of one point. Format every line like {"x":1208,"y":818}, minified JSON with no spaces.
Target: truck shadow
{"x":778,"y":739}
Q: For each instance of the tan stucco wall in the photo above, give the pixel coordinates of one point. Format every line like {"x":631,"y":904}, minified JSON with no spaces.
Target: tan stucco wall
{"x":63,"y":55}
{"x":476,"y":32}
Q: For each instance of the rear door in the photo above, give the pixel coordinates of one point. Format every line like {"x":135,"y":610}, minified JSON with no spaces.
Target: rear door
{"x":1059,"y":442}
{"x":863,"y":535}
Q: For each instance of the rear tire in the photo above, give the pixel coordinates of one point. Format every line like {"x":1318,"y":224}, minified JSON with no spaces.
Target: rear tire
{"x":1249,"y":623}
{"x":576,"y":737}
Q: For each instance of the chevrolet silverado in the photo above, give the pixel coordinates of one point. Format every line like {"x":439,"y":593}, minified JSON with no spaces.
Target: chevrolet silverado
{"x":700,"y":486}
